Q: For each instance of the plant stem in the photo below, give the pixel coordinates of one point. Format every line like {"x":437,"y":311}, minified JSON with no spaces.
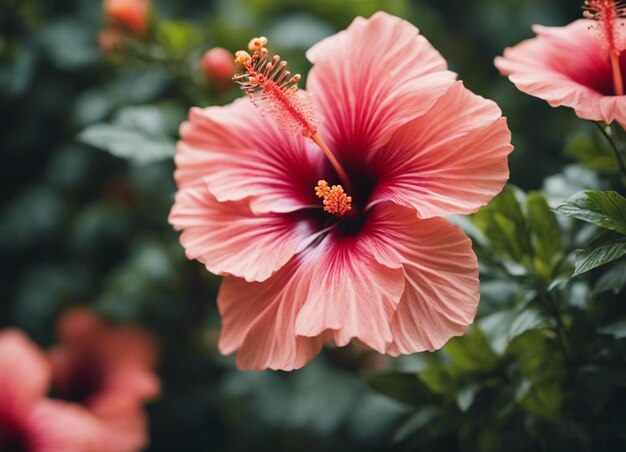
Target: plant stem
{"x":552,"y":305}
{"x":618,"y":156}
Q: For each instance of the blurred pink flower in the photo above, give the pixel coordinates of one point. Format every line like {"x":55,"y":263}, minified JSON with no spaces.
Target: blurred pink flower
{"x":28,"y":420}
{"x":578,"y":66}
{"x":110,"y":370}
{"x":131,"y":15}
{"x":375,"y":262}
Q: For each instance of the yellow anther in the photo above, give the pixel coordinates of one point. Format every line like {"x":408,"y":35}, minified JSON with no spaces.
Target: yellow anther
{"x":336,"y":201}
{"x":256,"y":44}
{"x":242,"y":58}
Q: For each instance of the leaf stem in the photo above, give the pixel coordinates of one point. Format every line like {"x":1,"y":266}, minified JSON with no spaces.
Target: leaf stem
{"x":618,"y":156}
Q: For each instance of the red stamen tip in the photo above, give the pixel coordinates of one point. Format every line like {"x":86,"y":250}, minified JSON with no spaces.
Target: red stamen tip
{"x":274,"y":90}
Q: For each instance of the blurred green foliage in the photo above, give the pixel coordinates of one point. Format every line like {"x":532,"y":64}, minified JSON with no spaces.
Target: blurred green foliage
{"x":544,"y":366}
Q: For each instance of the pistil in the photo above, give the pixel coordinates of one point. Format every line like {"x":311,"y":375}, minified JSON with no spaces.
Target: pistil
{"x":274,"y":90}
{"x":608,"y":16}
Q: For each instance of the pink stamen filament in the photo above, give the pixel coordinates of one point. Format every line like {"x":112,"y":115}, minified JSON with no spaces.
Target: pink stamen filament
{"x":618,"y":83}
{"x":333,"y":161}
{"x":274,"y":81}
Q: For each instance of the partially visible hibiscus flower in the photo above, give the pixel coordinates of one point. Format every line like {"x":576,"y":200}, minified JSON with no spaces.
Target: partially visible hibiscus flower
{"x":324,"y":215}
{"x":581,"y":65}
{"x":110,"y":370}
{"x":28,"y":420}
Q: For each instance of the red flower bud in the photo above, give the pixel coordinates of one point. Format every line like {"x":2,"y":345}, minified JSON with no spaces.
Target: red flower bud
{"x":131,"y":15}
{"x":219,"y":67}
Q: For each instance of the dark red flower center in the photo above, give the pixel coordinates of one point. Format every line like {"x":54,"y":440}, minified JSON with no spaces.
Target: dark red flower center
{"x":608,"y":23}
{"x":598,"y":77}
{"x":83,"y":380}
{"x":13,"y":435}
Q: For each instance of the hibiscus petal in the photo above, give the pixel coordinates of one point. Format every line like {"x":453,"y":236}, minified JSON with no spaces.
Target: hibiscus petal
{"x":230,"y":239}
{"x":24,"y":370}
{"x":259,"y":319}
{"x":123,"y":417}
{"x":370,"y":79}
{"x":441,"y":270}
{"x":238,"y":153}
{"x":57,"y":426}
{"x":451,"y":160}
{"x":566,"y":67}
{"x":351,"y":293}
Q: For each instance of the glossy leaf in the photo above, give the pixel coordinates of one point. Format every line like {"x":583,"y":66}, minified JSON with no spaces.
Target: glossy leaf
{"x":606,"y":248}
{"x":502,"y":222}
{"x":472,"y":352}
{"x":545,"y":234}
{"x":606,"y":209}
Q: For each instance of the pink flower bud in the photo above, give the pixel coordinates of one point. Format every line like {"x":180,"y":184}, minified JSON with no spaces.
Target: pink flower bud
{"x":219,"y":67}
{"x":131,"y":15}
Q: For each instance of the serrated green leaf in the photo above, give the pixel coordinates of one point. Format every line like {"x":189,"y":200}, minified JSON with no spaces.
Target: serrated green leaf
{"x":606,"y":248}
{"x":606,"y":209}
{"x":545,"y":235}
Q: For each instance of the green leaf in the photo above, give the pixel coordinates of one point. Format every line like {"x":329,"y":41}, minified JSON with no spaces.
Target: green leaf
{"x":528,"y":319}
{"x":613,"y":280}
{"x":545,"y":235}
{"x":617,"y":329}
{"x":607,"y":247}
{"x":538,"y":355}
{"x":466,"y":396}
{"x":403,"y":387}
{"x":592,"y":153}
{"x":543,"y":399}
{"x":177,"y":36}
{"x":471,"y":352}
{"x":504,"y":326}
{"x":503,"y":224}
{"x":440,"y":379}
{"x":606,"y":209}
{"x":142,"y":134}
{"x":424,"y":417}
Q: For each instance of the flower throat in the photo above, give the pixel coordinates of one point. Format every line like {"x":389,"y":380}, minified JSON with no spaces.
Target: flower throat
{"x":609,"y":22}
{"x":274,"y":91}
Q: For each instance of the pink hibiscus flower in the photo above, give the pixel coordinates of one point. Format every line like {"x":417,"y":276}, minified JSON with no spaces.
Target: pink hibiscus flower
{"x":28,"y":420}
{"x":307,"y":261}
{"x":580,"y":65}
{"x":110,"y":370}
